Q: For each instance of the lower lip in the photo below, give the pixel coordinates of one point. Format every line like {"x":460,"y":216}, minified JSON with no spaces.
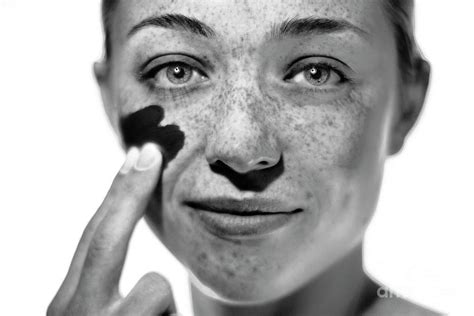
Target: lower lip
{"x":229,"y":225}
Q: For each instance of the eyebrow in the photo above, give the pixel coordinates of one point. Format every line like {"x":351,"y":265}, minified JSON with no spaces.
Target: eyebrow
{"x":288,"y":28}
{"x":310,"y":25}
{"x":177,"y":22}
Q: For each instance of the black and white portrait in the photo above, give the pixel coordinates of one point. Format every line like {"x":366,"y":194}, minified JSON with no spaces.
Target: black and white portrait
{"x":236,"y":158}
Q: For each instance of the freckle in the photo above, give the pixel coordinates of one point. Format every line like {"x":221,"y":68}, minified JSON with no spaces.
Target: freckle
{"x":229,"y":273}
{"x":298,"y":127}
{"x":202,"y":257}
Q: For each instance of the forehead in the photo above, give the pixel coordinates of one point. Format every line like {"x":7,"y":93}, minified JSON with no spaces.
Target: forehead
{"x":247,"y":19}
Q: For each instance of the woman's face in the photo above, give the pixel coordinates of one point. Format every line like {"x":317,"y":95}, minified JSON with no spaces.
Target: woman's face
{"x":284,"y":106}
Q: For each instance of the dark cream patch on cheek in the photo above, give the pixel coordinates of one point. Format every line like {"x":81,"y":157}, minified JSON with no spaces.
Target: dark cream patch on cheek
{"x":144,"y":126}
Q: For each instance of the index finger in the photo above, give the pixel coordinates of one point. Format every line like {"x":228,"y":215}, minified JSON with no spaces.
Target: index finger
{"x":127,"y":201}
{"x":70,"y":282}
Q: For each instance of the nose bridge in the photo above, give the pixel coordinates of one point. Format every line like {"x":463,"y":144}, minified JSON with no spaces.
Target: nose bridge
{"x":246,"y":96}
{"x":243,"y":99}
{"x":243,"y":138}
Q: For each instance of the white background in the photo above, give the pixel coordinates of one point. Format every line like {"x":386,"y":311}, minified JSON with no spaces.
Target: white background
{"x":59,"y":156}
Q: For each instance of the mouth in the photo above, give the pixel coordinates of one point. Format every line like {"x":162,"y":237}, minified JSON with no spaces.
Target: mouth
{"x":234,"y":218}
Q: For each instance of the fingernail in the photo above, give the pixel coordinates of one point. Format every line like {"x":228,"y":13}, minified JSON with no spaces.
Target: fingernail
{"x":132,"y":156}
{"x":148,"y":157}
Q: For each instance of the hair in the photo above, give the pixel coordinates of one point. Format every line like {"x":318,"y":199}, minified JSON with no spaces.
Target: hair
{"x":399,"y":12}
{"x":108,"y":7}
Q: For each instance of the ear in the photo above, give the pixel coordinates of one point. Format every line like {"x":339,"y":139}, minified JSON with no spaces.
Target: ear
{"x":102,"y":76}
{"x":411,"y":100}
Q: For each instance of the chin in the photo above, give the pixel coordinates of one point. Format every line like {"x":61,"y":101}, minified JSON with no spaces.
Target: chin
{"x":249,"y":291}
{"x":246,"y":271}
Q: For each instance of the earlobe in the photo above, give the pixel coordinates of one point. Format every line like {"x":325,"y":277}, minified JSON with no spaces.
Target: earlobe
{"x":412,"y":99}
{"x":101,"y":71}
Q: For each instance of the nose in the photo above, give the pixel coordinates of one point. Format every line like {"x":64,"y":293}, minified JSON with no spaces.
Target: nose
{"x":243,"y":142}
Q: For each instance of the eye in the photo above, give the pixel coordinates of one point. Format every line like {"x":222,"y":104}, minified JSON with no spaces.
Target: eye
{"x":179,"y":74}
{"x":174,"y":75}
{"x":316,"y":75}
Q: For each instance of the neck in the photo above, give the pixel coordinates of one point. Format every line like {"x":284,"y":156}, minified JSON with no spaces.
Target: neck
{"x":343,"y":289}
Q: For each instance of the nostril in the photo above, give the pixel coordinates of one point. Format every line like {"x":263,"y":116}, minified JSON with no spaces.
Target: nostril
{"x":264,"y":162}
{"x":243,"y":167}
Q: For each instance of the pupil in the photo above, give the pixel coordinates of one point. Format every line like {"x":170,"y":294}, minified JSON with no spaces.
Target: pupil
{"x":315,"y":74}
{"x":178,"y":72}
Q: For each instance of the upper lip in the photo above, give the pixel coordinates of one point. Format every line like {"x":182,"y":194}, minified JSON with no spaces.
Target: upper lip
{"x":252,"y":206}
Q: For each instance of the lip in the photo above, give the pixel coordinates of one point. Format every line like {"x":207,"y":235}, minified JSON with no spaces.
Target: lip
{"x":234,"y":218}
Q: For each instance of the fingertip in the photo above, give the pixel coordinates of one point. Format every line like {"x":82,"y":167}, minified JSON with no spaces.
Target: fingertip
{"x":131,"y":159}
{"x":150,"y":156}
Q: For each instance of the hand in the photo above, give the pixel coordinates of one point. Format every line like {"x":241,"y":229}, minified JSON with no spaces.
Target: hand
{"x":91,"y":284}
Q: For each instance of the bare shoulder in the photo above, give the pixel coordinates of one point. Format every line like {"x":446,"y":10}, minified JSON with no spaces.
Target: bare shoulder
{"x":395,"y":306}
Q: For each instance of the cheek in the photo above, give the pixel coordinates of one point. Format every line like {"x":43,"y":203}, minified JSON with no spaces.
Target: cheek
{"x":339,"y":150}
{"x":329,"y":135}
{"x":145,"y":126}
{"x":174,"y":121}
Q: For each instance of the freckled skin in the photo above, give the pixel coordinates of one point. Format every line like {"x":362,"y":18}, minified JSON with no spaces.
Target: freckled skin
{"x":332,"y":144}
{"x":243,"y":112}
